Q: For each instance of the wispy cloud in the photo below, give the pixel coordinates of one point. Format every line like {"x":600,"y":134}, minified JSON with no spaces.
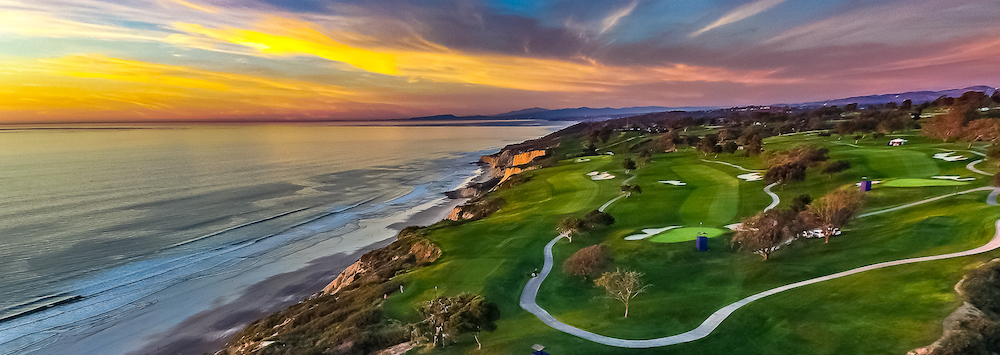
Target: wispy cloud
{"x":739,"y":14}
{"x":612,"y":19}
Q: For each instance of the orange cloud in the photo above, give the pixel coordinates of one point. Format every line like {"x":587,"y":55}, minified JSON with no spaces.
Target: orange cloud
{"x":284,"y":37}
{"x":82,"y":85}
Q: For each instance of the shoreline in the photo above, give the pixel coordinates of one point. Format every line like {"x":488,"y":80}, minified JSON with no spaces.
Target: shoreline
{"x":209,"y":330}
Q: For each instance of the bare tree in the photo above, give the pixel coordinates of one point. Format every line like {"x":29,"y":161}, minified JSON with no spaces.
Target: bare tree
{"x":762,"y":233}
{"x":832,"y":211}
{"x":944,"y":127}
{"x":622,"y":285}
{"x":985,"y":129}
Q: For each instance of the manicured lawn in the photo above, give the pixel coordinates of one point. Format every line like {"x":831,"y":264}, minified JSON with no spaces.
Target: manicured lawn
{"x":921,"y":183}
{"x":887,"y":311}
{"x":686,"y":234}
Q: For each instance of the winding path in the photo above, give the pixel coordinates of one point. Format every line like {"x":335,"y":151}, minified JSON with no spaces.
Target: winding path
{"x":608,"y":204}
{"x":774,"y":197}
{"x":972,"y":167}
{"x":528,"y":295}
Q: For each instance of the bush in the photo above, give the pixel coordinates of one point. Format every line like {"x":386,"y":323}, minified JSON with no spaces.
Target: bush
{"x":786,"y":173}
{"x":586,"y":262}
{"x":836,"y":166}
{"x":597,"y":218}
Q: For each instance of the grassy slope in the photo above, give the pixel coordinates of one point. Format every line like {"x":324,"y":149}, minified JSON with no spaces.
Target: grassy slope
{"x":884,"y":311}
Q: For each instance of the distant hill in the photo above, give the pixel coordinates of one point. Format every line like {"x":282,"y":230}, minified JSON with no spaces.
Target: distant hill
{"x":917,"y":97}
{"x":588,"y":113}
{"x":579,"y":113}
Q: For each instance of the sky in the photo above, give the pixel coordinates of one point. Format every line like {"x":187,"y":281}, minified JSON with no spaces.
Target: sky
{"x":152,"y":60}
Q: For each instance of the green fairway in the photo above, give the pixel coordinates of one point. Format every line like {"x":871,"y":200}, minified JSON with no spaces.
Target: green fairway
{"x":887,"y":311}
{"x":921,"y":183}
{"x":686,"y":234}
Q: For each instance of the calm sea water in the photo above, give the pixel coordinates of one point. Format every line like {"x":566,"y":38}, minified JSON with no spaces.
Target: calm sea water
{"x":95,"y":222}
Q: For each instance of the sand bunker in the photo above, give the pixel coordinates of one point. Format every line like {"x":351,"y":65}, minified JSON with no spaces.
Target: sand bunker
{"x":600,"y":176}
{"x":873,"y":183}
{"x":582,"y":160}
{"x":953,"y":177}
{"x":949,"y":157}
{"x":751,"y":177}
{"x":592,"y":173}
{"x":672,"y":182}
{"x":649,"y":232}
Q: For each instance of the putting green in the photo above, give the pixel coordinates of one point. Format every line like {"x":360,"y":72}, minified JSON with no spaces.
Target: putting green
{"x":686,"y":234}
{"x":921,"y":183}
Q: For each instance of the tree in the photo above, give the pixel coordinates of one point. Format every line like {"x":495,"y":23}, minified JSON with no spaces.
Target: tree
{"x":993,"y":153}
{"x":446,"y":318}
{"x":597,"y":218}
{"x":996,"y":179}
{"x":668,"y":141}
{"x":645,"y":156}
{"x":834,"y":210}
{"x":587,"y":261}
{"x":622,"y":285}
{"x":762,"y":233}
{"x":569,"y":227}
{"x":944,"y":127}
{"x":801,"y":203}
{"x":907,"y":105}
{"x":628,"y":164}
{"x":986,"y":129}
{"x":996,"y":97}
{"x":707,"y":144}
{"x":784,"y":173}
{"x":629,"y":189}
{"x":730,"y":147}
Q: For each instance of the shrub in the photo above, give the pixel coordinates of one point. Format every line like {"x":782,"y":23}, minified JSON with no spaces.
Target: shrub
{"x":586,"y":262}
{"x":597,"y":218}
{"x":836,"y":166}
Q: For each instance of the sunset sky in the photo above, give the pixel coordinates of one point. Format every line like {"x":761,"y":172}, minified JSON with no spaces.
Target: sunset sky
{"x":94,"y":60}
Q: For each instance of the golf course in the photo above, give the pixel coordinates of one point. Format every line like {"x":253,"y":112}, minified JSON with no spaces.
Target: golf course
{"x":887,"y":309}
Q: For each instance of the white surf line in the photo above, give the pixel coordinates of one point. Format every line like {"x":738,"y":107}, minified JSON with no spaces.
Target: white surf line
{"x":732,"y":165}
{"x":932,"y":199}
{"x":972,"y":167}
{"x":774,"y":197}
{"x":713,"y":321}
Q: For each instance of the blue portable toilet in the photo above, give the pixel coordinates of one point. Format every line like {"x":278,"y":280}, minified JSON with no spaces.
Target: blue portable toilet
{"x":866,"y":186}
{"x":701,"y":242}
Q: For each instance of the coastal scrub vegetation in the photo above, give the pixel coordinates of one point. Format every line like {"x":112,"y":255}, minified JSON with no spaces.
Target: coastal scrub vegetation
{"x":587,"y":262}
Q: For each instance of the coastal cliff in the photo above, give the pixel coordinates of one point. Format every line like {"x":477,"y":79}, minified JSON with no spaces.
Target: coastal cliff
{"x":507,"y":162}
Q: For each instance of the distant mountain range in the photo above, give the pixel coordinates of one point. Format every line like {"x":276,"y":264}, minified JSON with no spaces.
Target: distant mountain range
{"x":587,"y":113}
{"x":580,"y":113}
{"x":917,"y":97}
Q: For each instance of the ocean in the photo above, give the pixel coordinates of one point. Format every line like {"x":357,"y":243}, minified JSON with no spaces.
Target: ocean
{"x":118,"y":239}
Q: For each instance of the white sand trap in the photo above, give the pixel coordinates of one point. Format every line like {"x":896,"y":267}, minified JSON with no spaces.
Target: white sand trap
{"x":592,"y":173}
{"x":610,"y":153}
{"x":673,"y":182}
{"x":582,"y":160}
{"x":949,"y":157}
{"x":602,"y":176}
{"x":649,"y":232}
{"x":953,"y":177}
{"x":751,"y":177}
{"x":873,"y":183}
